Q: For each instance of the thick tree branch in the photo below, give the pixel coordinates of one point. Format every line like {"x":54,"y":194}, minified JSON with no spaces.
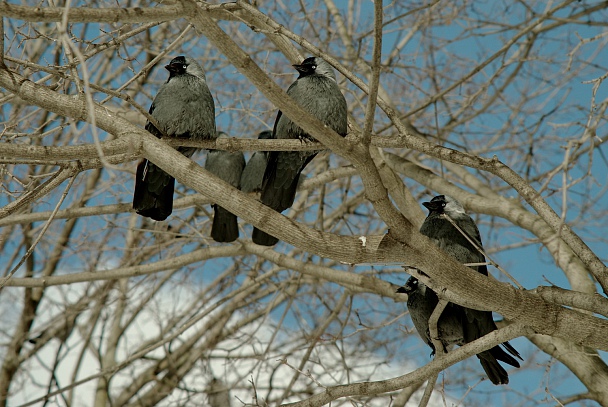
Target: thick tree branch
{"x":515,"y":305}
{"x":357,"y":153}
{"x":124,"y":15}
{"x":494,"y":166}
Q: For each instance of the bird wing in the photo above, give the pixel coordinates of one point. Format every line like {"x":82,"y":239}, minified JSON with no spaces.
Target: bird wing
{"x":149,"y":126}
{"x":226,"y":166}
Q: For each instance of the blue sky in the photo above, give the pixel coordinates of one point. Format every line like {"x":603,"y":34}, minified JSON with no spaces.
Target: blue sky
{"x":530,"y":265}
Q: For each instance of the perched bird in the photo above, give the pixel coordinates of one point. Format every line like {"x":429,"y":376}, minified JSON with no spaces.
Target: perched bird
{"x":253,"y":174}
{"x":228,"y":167}
{"x":457,"y":325}
{"x":183,"y":107}
{"x":317,"y":91}
{"x":421,"y":302}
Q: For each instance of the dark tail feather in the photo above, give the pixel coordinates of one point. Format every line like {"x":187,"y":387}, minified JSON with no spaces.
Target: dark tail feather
{"x":225,"y":227}
{"x":503,"y":356}
{"x":496,"y":373}
{"x":513,"y":352}
{"x":281,"y":178}
{"x":279,"y":193}
{"x":262,"y":238}
{"x":153,"y":196}
{"x":489,"y":361}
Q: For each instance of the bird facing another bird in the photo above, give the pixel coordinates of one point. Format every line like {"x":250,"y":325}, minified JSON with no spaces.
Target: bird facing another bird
{"x":185,"y":108}
{"x":457,"y":325}
{"x":228,"y":167}
{"x":317,"y":91}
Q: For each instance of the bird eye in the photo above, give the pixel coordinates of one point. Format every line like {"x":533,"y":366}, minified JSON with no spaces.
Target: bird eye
{"x":185,"y":66}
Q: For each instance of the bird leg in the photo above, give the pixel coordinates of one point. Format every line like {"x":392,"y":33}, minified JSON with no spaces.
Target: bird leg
{"x":433,"y":328}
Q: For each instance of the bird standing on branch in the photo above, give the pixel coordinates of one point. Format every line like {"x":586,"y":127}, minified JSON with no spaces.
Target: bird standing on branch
{"x":184,"y":108}
{"x":457,"y":325}
{"x":317,"y":91}
{"x":228,"y":167}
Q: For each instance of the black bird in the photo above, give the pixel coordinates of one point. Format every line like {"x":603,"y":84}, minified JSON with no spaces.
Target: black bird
{"x":317,"y":91}
{"x":183,"y":107}
{"x":421,"y":302}
{"x":228,"y":167}
{"x":253,"y":174}
{"x":457,"y":325}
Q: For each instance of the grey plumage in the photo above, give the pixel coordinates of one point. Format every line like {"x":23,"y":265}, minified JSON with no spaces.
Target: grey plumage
{"x":421,"y":303}
{"x":317,"y":91}
{"x":253,"y":174}
{"x":183,"y":107}
{"x":457,"y":325}
{"x":228,"y":167}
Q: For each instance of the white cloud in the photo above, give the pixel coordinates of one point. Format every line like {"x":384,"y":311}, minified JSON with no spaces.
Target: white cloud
{"x":236,"y":361}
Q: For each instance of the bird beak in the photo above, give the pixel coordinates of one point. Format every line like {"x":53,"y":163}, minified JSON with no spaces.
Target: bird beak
{"x":300,"y":68}
{"x":408,"y":288}
{"x":432,"y":206}
{"x":174,"y":67}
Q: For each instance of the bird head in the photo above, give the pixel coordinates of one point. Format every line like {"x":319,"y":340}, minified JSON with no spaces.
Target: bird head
{"x":410,"y":286}
{"x":177,"y":66}
{"x":445,"y":204}
{"x":265,"y":135}
{"x":182,"y":65}
{"x":315,"y":65}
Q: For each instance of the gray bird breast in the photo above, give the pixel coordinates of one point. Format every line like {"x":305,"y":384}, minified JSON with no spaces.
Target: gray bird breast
{"x":184,"y":107}
{"x":226,"y":166}
{"x":321,"y":97}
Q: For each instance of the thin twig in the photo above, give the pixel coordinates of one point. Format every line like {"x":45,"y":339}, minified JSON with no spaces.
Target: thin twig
{"x":53,"y":182}
{"x":439,"y":350}
{"x":428,"y":390}
{"x":480,"y":250}
{"x":39,"y":237}
{"x":375,"y":80}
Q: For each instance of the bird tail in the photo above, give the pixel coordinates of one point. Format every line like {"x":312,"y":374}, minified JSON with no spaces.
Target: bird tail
{"x":496,"y":373}
{"x":153,"y":196}
{"x":225,"y":227}
{"x":498,"y":353}
{"x":281,"y":178}
{"x":278,"y":193}
{"x":489,"y":361}
{"x":279,"y":190}
{"x":279,"y":186}
{"x":262,"y":238}
{"x":508,"y":359}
